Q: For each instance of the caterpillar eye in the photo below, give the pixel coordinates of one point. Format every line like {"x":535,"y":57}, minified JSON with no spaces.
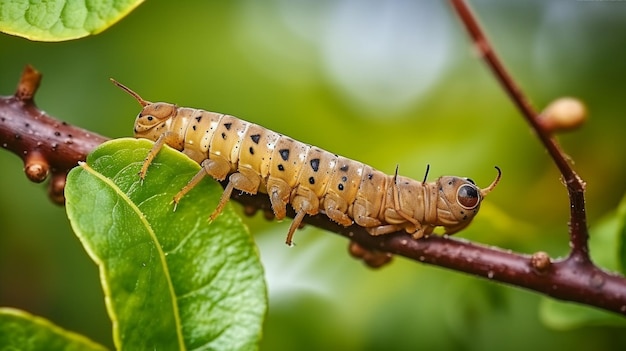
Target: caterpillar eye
{"x":467,"y":197}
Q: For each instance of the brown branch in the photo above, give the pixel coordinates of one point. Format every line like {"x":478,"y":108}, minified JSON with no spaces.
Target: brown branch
{"x":46,"y":145}
{"x":42,"y":140}
{"x":579,"y":235}
{"x":566,"y":279}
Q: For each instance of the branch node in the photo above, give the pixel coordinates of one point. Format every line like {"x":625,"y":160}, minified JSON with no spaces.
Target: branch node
{"x":56,"y":188}
{"x":540,"y":261}
{"x":28,"y":85}
{"x":563,"y":114}
{"x":36,"y":167}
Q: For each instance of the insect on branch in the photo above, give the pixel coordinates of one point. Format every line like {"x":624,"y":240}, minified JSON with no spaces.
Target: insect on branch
{"x":25,"y":130}
{"x":49,"y":146}
{"x":579,"y":235}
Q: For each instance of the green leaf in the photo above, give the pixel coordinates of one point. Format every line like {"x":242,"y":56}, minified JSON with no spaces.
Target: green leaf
{"x":567,"y":315}
{"x":57,"y":20}
{"x":20,"y":330}
{"x":172,"y":280}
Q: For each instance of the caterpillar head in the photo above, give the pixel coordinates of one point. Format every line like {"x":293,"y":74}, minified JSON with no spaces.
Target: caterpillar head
{"x":153,"y":119}
{"x":459,"y":201}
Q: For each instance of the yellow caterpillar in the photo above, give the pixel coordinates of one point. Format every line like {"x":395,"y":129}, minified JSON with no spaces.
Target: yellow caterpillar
{"x":312,"y":180}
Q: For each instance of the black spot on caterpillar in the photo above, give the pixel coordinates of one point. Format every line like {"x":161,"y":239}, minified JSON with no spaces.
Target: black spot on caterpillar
{"x":347,"y":191}
{"x":315,"y":164}
{"x":284,"y":153}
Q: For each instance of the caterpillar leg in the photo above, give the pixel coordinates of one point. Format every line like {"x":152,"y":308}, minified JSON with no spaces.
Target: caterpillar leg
{"x":158,"y":145}
{"x":384,"y":229}
{"x":391,"y":228}
{"x":294,"y":225}
{"x":217,"y":169}
{"x":335,"y":208}
{"x":278,"y":191}
{"x":304,"y":202}
{"x":421,"y":232}
{"x":245,"y":180}
{"x":362,"y":215}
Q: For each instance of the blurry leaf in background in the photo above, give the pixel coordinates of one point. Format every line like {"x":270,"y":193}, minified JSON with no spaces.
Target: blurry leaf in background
{"x":20,"y":330}
{"x":171,"y":279}
{"x":570,"y":316}
{"x":57,"y":20}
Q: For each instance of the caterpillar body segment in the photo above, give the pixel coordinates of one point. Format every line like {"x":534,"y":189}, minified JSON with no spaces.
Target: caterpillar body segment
{"x":311,"y":180}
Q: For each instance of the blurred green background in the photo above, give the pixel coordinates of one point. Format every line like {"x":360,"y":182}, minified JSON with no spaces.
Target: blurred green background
{"x":384,"y":82}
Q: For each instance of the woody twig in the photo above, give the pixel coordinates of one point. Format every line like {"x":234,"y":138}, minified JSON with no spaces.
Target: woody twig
{"x":579,"y":235}
{"x":47,"y":146}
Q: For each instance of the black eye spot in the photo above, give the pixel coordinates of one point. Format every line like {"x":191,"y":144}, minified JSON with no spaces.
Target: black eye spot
{"x":251,"y":150}
{"x":255,"y":138}
{"x":467,"y":197}
{"x":281,"y":168}
{"x":344,"y":179}
{"x":311,"y":180}
{"x":199,"y":118}
{"x":344,"y":168}
{"x":224,"y":136}
{"x":228,"y":125}
{"x":149,"y":118}
{"x":340,"y":187}
{"x":284,"y":154}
